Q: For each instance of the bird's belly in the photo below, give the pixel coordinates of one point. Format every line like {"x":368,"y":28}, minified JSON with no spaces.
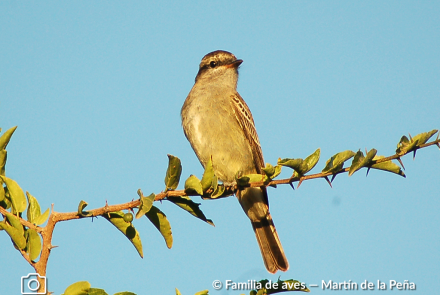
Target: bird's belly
{"x":220,"y":136}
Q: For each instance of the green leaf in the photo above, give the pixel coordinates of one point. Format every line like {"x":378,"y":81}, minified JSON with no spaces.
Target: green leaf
{"x":174,"y":170}
{"x":33,"y":244}
{"x":271,"y":171}
{"x":95,"y":291}
{"x":387,"y":166}
{"x":356,"y":164}
{"x":16,"y":194}
{"x":219,"y":192}
{"x":277,"y":171}
{"x":4,"y":139}
{"x":81,"y":207}
{"x":3,"y":157}
{"x":15,"y":235}
{"x":178,"y":292}
{"x":370,"y":155}
{"x":204,"y":292}
{"x":312,"y":160}
{"x":193,"y":185}
{"x":146,"y":203}
{"x":42,"y":218}
{"x":160,"y":221}
{"x":307,"y":164}
{"x":214,"y":185}
{"x":296,"y":164}
{"x":78,"y":288}
{"x":422,"y":138}
{"x":336,"y":162}
{"x":15,"y":222}
{"x":6,"y":202}
{"x":124,"y":293}
{"x":360,"y":161}
{"x":82,"y":204}
{"x":193,"y":208}
{"x":250,"y":178}
{"x":117,"y":219}
{"x":208,"y":176}
{"x":406,"y":145}
{"x":33,"y":210}
{"x":2,"y":193}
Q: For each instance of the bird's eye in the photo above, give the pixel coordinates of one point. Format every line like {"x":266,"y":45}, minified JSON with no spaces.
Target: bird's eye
{"x":212,"y":64}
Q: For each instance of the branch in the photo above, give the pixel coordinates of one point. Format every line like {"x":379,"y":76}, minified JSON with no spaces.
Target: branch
{"x":207,"y":188}
{"x":296,"y":177}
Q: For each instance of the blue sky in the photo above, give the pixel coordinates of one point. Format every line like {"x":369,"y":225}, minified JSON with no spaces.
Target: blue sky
{"x":96,"y":89}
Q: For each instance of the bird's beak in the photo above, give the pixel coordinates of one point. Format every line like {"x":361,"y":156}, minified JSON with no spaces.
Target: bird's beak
{"x":235,"y":64}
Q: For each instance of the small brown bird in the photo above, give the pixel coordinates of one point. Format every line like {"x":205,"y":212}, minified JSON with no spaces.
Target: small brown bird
{"x":218,"y":124}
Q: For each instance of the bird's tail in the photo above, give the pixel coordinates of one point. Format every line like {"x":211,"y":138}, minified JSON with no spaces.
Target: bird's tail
{"x":270,"y":245}
{"x":255,"y":204}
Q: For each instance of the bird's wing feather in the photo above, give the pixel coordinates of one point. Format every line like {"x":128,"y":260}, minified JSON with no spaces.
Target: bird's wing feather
{"x":244,"y":118}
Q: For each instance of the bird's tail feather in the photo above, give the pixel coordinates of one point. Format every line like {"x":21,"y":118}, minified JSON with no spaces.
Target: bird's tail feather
{"x":270,"y":245}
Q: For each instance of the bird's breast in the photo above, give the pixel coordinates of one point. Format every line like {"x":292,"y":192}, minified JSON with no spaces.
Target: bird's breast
{"x":211,"y":127}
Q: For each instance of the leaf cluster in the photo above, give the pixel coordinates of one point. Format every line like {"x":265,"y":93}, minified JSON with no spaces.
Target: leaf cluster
{"x":208,"y":187}
{"x":154,"y":214}
{"x":25,"y":238}
{"x":369,"y":160}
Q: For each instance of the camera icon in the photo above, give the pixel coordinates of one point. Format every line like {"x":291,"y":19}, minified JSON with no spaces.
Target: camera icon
{"x":30,"y":284}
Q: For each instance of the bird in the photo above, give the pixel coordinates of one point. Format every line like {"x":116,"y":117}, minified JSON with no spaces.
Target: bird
{"x":219,"y":126}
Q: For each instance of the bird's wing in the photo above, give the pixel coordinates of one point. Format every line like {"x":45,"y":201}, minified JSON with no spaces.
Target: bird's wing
{"x":244,"y":118}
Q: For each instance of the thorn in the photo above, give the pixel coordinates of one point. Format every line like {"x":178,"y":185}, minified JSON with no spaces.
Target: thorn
{"x":366,"y":151}
{"x":401,"y":163}
{"x":410,"y":136}
{"x":299,"y":183}
{"x":292,"y":185}
{"x":333,"y":177}
{"x":414,"y":154}
{"x":328,"y":181}
{"x":438,"y":145}
{"x":368,"y":170}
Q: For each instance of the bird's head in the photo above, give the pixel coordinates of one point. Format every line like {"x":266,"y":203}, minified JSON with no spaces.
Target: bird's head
{"x":219,"y":64}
